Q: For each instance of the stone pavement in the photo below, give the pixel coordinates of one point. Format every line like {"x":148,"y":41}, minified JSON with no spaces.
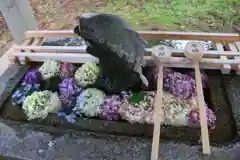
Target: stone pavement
{"x":31,"y":142}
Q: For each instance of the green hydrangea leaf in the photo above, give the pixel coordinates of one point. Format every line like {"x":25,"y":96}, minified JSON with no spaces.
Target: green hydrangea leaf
{"x":137,"y":97}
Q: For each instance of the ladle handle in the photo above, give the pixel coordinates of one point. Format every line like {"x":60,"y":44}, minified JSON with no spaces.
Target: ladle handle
{"x":157,"y":115}
{"x":202,"y":112}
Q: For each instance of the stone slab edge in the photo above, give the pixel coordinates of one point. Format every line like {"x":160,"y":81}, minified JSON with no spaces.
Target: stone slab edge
{"x":231,"y":84}
{"x":9,"y":79}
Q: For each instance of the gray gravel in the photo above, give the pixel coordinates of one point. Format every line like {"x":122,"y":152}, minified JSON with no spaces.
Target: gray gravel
{"x":26,"y":141}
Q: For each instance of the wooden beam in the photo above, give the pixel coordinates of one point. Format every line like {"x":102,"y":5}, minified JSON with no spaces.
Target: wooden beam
{"x":226,"y":68}
{"x":19,"y":18}
{"x":233,"y":47}
{"x":82,"y":49}
{"x":232,"y":37}
{"x":82,"y":58}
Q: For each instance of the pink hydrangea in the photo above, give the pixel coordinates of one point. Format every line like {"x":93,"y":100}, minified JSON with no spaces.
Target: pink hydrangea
{"x":194,"y":117}
{"x":67,"y":70}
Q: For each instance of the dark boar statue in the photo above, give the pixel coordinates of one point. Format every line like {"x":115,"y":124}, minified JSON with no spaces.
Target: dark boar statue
{"x":118,"y":47}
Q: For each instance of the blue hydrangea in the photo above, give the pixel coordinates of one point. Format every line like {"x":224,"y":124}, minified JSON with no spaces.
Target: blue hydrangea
{"x":23,"y":91}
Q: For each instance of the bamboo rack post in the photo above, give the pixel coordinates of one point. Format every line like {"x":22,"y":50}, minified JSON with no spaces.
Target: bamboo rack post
{"x":233,"y":47}
{"x":238,"y":45}
{"x":159,"y":51}
{"x":194,"y":51}
{"x":226,"y":68}
{"x":31,"y":42}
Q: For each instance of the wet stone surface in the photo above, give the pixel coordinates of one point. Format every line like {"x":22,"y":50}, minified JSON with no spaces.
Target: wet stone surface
{"x":232,"y":85}
{"x":9,"y":80}
{"x":27,"y":141}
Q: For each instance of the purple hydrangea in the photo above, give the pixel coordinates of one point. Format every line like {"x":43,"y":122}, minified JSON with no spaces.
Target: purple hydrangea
{"x":67,"y":70}
{"x":23,"y":91}
{"x":70,"y":118}
{"x":125,"y":94}
{"x":204,"y":78}
{"x":32,"y":77}
{"x":110,"y":108}
{"x":194,"y":118}
{"x":180,"y":85}
{"x":68,"y":87}
{"x":68,"y":103}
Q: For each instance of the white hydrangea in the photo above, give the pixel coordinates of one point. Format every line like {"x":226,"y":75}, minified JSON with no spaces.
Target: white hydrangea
{"x":89,"y":102}
{"x":39,"y":104}
{"x":87,"y":74}
{"x":176,"y":110}
{"x":50,"y":68}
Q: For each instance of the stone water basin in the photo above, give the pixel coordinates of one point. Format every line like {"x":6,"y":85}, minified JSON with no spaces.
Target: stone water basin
{"x":216,"y":96}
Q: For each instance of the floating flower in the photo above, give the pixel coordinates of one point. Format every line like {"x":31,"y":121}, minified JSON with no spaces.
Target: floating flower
{"x":87,"y":74}
{"x":176,"y":110}
{"x":68,"y":103}
{"x":180,"y":85}
{"x":32,"y":77}
{"x":110,"y":108}
{"x":68,"y":87}
{"x":23,"y":91}
{"x":204,"y":78}
{"x":39,"y":104}
{"x":125,"y":94}
{"x":138,"y":110}
{"x":89,"y":102}
{"x":50,"y":68}
{"x":67,"y":70}
{"x":195,"y":119}
{"x":71,"y":118}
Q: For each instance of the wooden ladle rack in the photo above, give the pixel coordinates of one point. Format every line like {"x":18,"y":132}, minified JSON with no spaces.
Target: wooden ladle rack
{"x":225,"y":57}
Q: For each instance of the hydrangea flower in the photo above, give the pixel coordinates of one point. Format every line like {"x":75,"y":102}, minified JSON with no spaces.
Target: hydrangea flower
{"x":194,"y":117}
{"x":32,"y":77}
{"x":110,"y":107}
{"x":89,"y":102}
{"x":68,"y":103}
{"x":50,"y":68}
{"x":23,"y":91}
{"x":68,"y":87}
{"x":87,"y":74}
{"x":67,"y":70}
{"x":176,"y":110}
{"x":140,"y":112}
{"x":39,"y":104}
{"x":71,"y":117}
{"x":180,"y":85}
{"x":204,"y":78}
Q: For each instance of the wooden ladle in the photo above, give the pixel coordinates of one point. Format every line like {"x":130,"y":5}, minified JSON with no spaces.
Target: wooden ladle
{"x":159,"y":52}
{"x":194,"y":51}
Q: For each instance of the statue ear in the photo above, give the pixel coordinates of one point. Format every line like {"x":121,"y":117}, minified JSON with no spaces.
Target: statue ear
{"x":77,"y":18}
{"x":76,"y":30}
